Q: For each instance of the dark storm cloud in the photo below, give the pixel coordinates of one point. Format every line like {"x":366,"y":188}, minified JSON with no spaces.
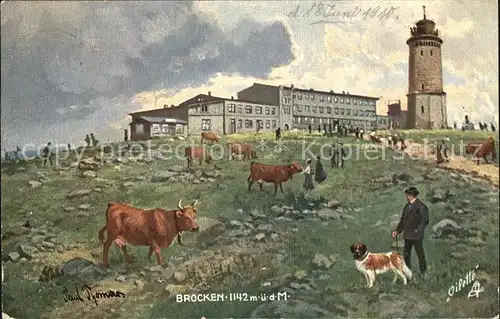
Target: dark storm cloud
{"x":63,"y":60}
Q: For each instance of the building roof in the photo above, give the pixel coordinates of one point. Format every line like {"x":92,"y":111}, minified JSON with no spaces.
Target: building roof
{"x":205,"y":98}
{"x":318,"y":91}
{"x":162,"y":119}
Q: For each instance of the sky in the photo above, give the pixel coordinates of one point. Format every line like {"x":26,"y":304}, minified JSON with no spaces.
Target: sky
{"x":71,"y":68}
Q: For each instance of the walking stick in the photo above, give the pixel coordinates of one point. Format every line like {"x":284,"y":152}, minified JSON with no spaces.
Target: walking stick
{"x":397,"y":244}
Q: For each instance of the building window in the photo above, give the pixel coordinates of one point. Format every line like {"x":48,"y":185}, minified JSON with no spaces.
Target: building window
{"x":422,"y":109}
{"x":248,"y":109}
{"x":329,"y":110}
{"x":336,"y":110}
{"x":312,"y":97}
{"x":341,"y":111}
{"x":273,"y":111}
{"x":313,"y":120}
{"x":139,"y":129}
{"x":307,"y":108}
{"x":329,"y":99}
{"x":421,"y":52}
{"x":286,"y":110}
{"x":348,"y":101}
{"x":361,"y":113}
{"x":430,"y":52}
{"x":336,"y":99}
{"x":155,"y":129}
{"x":347,"y":112}
{"x":299,"y":96}
{"x":248,"y":123}
{"x":286,"y":100}
{"x":354,"y":112}
{"x":232,"y":108}
{"x":268,"y":123}
{"x":355,"y":102}
{"x":240,"y":109}
{"x":204,"y":108}
{"x":299,"y":108}
{"x":315,"y":109}
{"x":342,"y":101}
{"x":274,"y":123}
{"x":267,"y":111}
{"x":240,"y":123}
{"x":306,"y":96}
{"x":206,"y":125}
{"x":321,"y":109}
{"x":258,"y":110}
{"x":296,"y":119}
{"x":322,"y":98}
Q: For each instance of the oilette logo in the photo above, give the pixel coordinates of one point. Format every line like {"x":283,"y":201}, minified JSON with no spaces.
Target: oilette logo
{"x":469,"y":278}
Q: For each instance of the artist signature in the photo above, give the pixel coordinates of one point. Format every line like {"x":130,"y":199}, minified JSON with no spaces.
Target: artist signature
{"x":90,"y":295}
{"x":324,"y":13}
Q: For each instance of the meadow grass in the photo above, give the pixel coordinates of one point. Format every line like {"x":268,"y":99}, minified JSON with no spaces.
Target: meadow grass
{"x":355,"y":186}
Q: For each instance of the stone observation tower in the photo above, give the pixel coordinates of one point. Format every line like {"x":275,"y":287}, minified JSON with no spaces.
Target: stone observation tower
{"x":426,"y":99}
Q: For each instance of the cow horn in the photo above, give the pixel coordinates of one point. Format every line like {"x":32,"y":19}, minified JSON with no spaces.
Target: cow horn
{"x":180,"y":203}
{"x":194,"y":203}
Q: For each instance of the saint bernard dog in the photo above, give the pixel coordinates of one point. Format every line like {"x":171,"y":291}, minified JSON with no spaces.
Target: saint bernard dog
{"x":371,"y":264}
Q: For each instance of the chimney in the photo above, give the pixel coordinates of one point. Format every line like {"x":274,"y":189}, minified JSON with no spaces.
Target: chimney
{"x":291,"y":86}
{"x":311,"y":89}
{"x":343,"y":92}
{"x":347,"y":93}
{"x":209,"y":93}
{"x":232,"y":97}
{"x":165,"y":106}
{"x":172,"y":105}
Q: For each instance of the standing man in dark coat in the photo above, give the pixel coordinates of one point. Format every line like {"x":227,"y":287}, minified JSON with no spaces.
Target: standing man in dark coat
{"x":338,"y":155}
{"x":278,"y":133}
{"x":414,"y":220}
{"x":310,"y":129}
{"x":47,"y":155}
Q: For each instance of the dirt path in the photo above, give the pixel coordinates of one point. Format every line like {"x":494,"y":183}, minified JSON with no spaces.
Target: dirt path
{"x":457,"y":163}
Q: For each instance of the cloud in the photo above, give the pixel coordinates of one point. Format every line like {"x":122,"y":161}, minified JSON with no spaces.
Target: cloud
{"x":69,"y":60}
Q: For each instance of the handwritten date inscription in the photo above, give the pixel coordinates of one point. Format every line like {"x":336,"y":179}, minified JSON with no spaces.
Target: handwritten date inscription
{"x":325,"y":13}
{"x":90,"y":295}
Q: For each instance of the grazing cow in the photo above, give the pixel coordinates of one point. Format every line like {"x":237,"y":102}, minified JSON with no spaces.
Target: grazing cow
{"x":481,"y":150}
{"x":241,"y":149}
{"x":155,"y":228}
{"x":209,"y":136}
{"x":276,"y":174}
{"x":196,"y":153}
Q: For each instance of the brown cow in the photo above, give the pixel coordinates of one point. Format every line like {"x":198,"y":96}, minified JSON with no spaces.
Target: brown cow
{"x":197,"y":153}
{"x":155,"y":228}
{"x":241,"y":149}
{"x":276,"y":174}
{"x":209,"y":136}
{"x":482,"y":150}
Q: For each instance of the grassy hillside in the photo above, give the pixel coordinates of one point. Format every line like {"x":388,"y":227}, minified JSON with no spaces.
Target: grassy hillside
{"x":250,"y":242}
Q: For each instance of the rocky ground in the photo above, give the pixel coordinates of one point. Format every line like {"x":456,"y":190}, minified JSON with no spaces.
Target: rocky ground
{"x":293,"y":244}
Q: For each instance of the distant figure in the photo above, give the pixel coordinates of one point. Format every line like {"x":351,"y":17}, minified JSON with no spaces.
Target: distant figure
{"x":16,"y":153}
{"x":310,"y":129}
{"x":87,"y":140}
{"x":492,"y":127}
{"x":308,"y":181}
{"x":47,"y":155}
{"x":319,"y":172}
{"x":356,"y":132}
{"x":345,"y":130}
{"x":94,"y":141}
{"x":319,"y":128}
{"x":69,"y":147}
{"x":338,"y":155}
{"x":278,"y":134}
{"x":330,"y":129}
{"x":324,"y":128}
{"x":455,"y":125}
{"x":441,"y":152}
{"x":125,"y":136}
{"x":361,"y":133}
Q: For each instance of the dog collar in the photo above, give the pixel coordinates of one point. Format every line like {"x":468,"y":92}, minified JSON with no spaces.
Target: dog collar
{"x":364,"y":256}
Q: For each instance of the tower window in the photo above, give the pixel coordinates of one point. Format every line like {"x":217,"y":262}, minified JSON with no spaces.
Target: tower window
{"x":430,"y":53}
{"x":422,"y":109}
{"x":422,"y":86}
{"x":421,"y":52}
